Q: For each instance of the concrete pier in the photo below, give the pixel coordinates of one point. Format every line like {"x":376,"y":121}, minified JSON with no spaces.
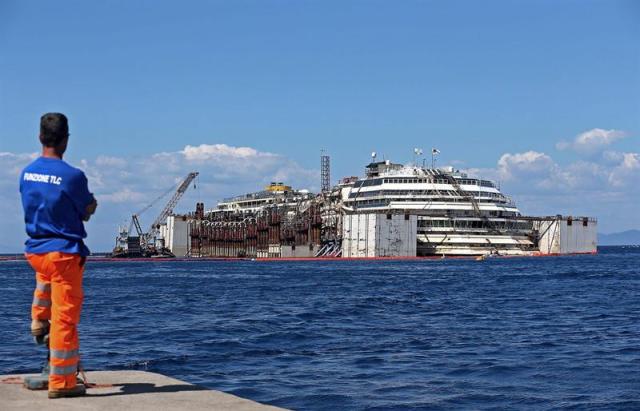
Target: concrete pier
{"x":126,"y":390}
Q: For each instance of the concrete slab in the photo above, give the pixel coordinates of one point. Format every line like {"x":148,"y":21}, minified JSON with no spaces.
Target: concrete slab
{"x":122,"y":390}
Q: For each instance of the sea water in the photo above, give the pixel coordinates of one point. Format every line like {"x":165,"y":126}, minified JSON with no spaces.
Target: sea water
{"x":514,"y":333}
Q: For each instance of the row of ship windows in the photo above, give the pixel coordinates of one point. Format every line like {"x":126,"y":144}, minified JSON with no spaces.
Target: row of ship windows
{"x":514,"y":225}
{"x":245,"y":204}
{"x":420,"y":180}
{"x":417,"y":193}
{"x":384,"y":202}
{"x":473,"y":182}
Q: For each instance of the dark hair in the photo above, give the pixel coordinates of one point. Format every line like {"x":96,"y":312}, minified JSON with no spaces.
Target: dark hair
{"x":54,"y":128}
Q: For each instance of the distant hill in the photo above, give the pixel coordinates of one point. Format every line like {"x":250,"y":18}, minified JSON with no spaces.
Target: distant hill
{"x":629,"y":237}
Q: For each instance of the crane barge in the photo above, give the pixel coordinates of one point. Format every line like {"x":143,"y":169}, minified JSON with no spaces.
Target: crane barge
{"x":149,"y":243}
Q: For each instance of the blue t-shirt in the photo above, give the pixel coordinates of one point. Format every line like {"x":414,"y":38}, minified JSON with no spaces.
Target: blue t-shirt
{"x":54,"y":198}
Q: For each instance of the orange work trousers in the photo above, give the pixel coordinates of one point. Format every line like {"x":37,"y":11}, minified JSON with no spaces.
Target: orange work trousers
{"x":58,"y":298}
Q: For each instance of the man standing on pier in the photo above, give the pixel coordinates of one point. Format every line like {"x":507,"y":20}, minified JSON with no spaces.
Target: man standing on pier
{"x":56,"y":201}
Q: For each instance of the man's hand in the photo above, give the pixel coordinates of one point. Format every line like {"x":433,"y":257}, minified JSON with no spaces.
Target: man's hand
{"x":91,"y":208}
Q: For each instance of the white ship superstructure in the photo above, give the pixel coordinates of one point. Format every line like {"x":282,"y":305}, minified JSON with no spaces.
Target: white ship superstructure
{"x":455,"y":214}
{"x":275,"y":194}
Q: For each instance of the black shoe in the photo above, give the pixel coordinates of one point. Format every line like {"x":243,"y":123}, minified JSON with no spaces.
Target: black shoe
{"x":77,"y":391}
{"x":39,"y":328}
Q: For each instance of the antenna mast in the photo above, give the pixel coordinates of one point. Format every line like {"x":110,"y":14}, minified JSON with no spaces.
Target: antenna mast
{"x":325,"y":172}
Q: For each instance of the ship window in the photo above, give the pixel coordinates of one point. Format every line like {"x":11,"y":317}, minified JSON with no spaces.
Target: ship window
{"x":388,"y":216}
{"x":569,"y":221}
{"x":406,"y":216}
{"x":585,"y":222}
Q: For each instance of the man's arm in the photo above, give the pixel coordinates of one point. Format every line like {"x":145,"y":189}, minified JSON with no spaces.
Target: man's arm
{"x":84,"y":201}
{"x":90,"y":210}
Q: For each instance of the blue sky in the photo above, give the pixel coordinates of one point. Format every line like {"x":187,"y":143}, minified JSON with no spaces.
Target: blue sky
{"x":478,"y":80}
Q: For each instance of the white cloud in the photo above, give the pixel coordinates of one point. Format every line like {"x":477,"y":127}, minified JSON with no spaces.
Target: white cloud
{"x":627,"y":172}
{"x":222,"y":152}
{"x":11,"y":165}
{"x":598,"y":137}
{"x":530,"y":163}
{"x":231,"y":170}
{"x":111,"y":161}
{"x":612,"y":157}
{"x":533,"y":171}
{"x":592,"y":140}
{"x":126,"y":195}
{"x":603,"y":186}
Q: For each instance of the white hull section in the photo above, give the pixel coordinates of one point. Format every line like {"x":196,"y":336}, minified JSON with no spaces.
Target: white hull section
{"x":467,"y":244}
{"x":379,"y":235}
{"x":564,"y":235}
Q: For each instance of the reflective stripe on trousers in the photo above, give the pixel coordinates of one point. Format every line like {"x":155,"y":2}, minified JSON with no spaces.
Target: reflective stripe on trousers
{"x":41,"y":305}
{"x":43,"y":287}
{"x":63,"y":354}
{"x":41,"y":302}
{"x":64,"y":371}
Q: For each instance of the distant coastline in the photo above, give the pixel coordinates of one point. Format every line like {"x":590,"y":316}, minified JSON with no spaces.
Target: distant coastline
{"x":628,"y":237}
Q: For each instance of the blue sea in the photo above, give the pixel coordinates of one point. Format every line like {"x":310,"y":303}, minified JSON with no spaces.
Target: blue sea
{"x":516,"y":333}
